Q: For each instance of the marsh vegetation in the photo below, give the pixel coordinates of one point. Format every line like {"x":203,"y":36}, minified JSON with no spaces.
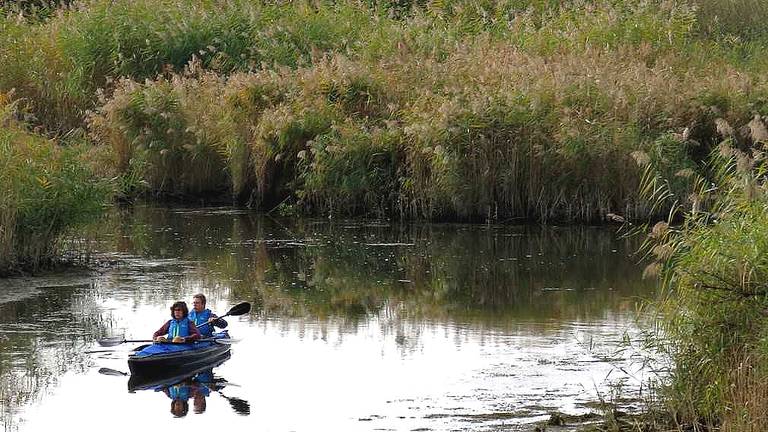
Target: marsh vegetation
{"x":492,"y":111}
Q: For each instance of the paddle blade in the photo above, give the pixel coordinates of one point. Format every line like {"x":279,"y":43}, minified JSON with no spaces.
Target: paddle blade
{"x":226,"y":341}
{"x":240,"y":406}
{"x":112,"y":372}
{"x":240,"y":309}
{"x":111,"y":341}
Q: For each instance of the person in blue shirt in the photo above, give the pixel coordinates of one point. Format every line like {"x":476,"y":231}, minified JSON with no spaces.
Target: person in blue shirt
{"x":203,"y":318}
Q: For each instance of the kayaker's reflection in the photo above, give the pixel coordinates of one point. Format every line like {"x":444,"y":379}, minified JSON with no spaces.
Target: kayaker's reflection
{"x":198,"y":388}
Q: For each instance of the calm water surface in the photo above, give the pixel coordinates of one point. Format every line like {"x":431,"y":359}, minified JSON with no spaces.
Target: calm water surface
{"x":355,"y":326}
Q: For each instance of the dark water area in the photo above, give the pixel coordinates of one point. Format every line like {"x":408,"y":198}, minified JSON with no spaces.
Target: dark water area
{"x":355,"y":325}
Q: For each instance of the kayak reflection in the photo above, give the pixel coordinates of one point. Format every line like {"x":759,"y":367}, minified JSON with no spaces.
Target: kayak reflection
{"x":197,"y":387}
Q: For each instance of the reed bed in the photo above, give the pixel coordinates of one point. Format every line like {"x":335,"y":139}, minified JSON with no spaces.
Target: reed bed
{"x":438,"y":110}
{"x":46,"y":190}
{"x":490,"y":133}
{"x":712,"y":309}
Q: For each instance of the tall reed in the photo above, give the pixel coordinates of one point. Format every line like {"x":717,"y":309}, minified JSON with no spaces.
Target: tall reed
{"x":46,"y":190}
{"x":521,"y":136}
{"x":715,"y":271}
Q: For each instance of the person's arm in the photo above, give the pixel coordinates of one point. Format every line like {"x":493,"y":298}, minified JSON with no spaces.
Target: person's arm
{"x":216,"y":321}
{"x":162,"y":331}
{"x":194,"y":333}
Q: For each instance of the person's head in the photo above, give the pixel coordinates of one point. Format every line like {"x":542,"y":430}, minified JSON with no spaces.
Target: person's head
{"x":179,"y":310}
{"x":179,"y":407}
{"x":199,"y":403}
{"x":198,"y":302}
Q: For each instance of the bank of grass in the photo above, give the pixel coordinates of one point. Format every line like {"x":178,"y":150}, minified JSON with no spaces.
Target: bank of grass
{"x":440,"y":110}
{"x":488,"y":133}
{"x":713,"y":308}
{"x":46,"y":190}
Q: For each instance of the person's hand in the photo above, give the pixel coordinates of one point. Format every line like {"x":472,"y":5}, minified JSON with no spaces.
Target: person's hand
{"x":212,"y":319}
{"x":161,"y":339}
{"x":178,"y":339}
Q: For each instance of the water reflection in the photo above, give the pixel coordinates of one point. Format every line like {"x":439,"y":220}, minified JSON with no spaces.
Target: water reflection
{"x":421,"y":323}
{"x":322,"y":268}
{"x":44,"y":323}
{"x":196,"y":387}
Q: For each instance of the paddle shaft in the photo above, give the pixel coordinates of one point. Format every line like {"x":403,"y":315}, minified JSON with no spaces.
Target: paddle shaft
{"x":238,"y":309}
{"x":211,"y":322}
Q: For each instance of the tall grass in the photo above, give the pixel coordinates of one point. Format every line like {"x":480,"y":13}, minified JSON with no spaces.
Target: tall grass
{"x":518,"y":136}
{"x":441,"y":109}
{"x":743,"y":19}
{"x":59,"y":63}
{"x":89,"y":46}
{"x":45,"y":191}
{"x":715,"y":270}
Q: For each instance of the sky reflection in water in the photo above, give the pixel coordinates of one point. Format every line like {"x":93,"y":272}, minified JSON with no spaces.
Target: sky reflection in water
{"x":356,"y":326}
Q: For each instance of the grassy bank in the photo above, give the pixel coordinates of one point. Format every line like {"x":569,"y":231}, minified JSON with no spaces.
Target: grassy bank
{"x":714,"y":306}
{"x":443,"y":110}
{"x":447,"y":110}
{"x":45,"y":191}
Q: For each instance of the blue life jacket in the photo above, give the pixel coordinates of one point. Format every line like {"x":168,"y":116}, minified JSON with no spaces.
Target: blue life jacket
{"x":201,"y":318}
{"x":203,"y":390}
{"x":179,"y":392}
{"x":178,"y":328}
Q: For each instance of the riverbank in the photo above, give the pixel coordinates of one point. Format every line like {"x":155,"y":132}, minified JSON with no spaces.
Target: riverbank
{"x":46,"y":191}
{"x":450,"y":111}
{"x":447,"y":111}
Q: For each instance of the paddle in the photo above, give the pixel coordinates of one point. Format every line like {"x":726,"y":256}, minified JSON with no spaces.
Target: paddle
{"x":112,"y":372}
{"x":238,"y":309}
{"x":117,"y":340}
{"x":240,"y":406}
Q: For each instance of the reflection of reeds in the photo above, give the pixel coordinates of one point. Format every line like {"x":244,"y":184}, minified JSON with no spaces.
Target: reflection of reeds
{"x":324,"y":270}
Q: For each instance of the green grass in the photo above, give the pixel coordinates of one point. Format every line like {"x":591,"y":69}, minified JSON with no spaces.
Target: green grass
{"x":439,"y":110}
{"x":713,"y":307}
{"x":46,"y":190}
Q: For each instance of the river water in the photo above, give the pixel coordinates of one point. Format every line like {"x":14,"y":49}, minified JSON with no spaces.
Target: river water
{"x":355,"y":325}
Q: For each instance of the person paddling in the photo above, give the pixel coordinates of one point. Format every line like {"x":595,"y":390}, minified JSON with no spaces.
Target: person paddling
{"x":179,"y":328}
{"x":203,"y":318}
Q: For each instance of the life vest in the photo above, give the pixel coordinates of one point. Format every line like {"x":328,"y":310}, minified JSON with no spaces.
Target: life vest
{"x":200,"y":318}
{"x":178,"y":328}
{"x":179,"y":392}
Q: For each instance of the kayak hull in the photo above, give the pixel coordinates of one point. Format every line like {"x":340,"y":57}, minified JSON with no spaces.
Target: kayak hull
{"x":153,"y":382}
{"x":179,"y":361}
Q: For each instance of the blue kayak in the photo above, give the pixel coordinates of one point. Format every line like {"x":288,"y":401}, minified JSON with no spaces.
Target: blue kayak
{"x":163,"y":359}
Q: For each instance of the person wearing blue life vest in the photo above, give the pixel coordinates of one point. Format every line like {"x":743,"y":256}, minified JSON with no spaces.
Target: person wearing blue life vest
{"x":203,"y":318}
{"x":179,"y":328}
{"x":179,"y":394}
